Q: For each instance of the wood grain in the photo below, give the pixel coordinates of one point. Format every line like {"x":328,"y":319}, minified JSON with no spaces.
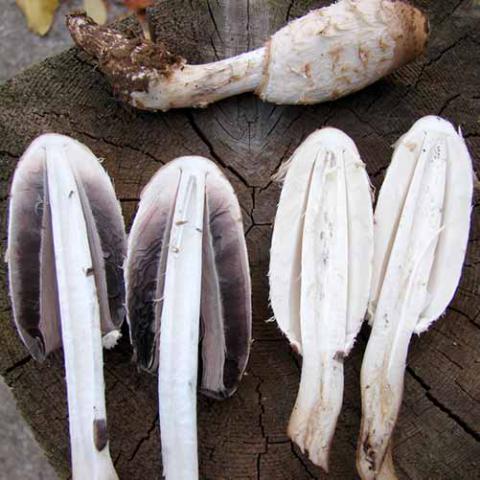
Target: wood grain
{"x":438,"y":435}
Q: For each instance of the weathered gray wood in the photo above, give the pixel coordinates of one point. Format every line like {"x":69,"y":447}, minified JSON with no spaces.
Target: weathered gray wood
{"x":438,"y":436}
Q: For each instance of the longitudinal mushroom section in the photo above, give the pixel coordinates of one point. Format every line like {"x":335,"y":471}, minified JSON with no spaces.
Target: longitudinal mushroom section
{"x":324,"y":55}
{"x":422,"y":221}
{"x":66,"y":247}
{"x":320,"y":269}
{"x":188,"y":289}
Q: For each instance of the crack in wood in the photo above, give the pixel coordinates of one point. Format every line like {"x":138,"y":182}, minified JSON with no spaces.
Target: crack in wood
{"x":214,"y":48}
{"x":459,"y":385}
{"x":205,"y":140}
{"x":278,"y":442}
{"x":144,"y":438}
{"x":289,"y":10}
{"x":438,"y":57}
{"x":448,"y":15}
{"x":260,"y":422}
{"x":20,"y":363}
{"x":120,"y":145}
{"x":451,"y":360}
{"x":276,"y":169}
{"x":249,"y":40}
{"x":396,"y":129}
{"x":437,"y":403}
{"x":447,"y":103}
{"x":302,"y":461}
{"x":464,"y":315}
{"x":215,"y":26}
{"x":5,"y":153}
{"x":252,"y":210}
{"x":117,"y":458}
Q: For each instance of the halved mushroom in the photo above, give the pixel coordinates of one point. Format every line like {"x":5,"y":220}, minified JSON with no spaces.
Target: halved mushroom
{"x":188,"y":282}
{"x":324,"y":55}
{"x":320,"y":271}
{"x":422,"y":220}
{"x":66,"y":244}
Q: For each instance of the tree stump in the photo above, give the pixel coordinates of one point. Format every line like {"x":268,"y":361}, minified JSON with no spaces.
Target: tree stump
{"x":438,"y":434}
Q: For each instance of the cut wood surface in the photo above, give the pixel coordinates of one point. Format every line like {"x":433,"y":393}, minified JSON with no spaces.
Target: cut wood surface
{"x":438,"y":434}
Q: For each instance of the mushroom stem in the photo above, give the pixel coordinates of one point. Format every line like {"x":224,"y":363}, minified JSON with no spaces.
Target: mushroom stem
{"x":323,"y":309}
{"x":400,"y":305}
{"x":320,"y":276}
{"x":80,"y":322}
{"x":200,"y":85}
{"x":387,"y":472}
{"x":179,"y":336}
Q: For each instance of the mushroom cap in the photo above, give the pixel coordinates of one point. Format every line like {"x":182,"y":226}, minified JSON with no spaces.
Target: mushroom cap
{"x":225,"y":311}
{"x":339,"y":49}
{"x":31,"y":256}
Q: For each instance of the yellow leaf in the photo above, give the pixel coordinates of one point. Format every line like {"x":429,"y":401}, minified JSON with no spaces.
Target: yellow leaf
{"x":39,"y":14}
{"x":97,"y":10}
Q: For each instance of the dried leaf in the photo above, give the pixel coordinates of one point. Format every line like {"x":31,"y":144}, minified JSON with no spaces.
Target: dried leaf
{"x":97,"y":10}
{"x":39,"y":14}
{"x":138,"y":4}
